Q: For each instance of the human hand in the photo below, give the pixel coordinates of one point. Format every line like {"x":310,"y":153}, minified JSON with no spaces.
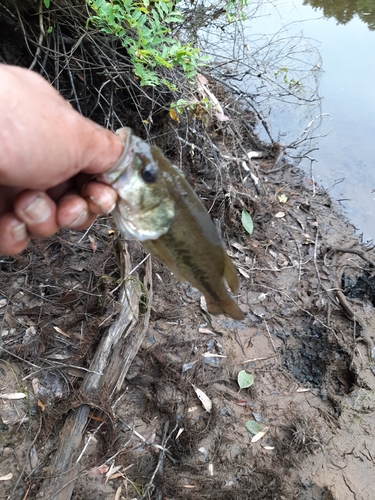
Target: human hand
{"x":49,"y":155}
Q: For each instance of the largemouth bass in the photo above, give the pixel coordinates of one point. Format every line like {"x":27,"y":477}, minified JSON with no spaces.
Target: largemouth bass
{"x":158,"y":207}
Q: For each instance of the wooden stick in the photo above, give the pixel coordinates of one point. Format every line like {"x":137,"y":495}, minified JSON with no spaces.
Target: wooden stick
{"x":117,"y":349}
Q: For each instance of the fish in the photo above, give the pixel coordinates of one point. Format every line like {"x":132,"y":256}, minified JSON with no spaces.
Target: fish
{"x":158,"y":207}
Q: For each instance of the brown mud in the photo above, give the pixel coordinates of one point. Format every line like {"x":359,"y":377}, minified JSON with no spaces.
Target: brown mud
{"x":308,"y":291}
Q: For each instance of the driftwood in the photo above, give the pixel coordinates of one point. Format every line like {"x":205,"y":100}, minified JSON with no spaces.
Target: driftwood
{"x":109,"y":367}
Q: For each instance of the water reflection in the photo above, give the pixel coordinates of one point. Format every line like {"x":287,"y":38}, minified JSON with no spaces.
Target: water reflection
{"x":345,"y":161}
{"x":274,"y":60}
{"x":344,"y":10}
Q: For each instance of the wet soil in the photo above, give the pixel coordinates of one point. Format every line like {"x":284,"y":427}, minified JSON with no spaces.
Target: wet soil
{"x":308,"y":291}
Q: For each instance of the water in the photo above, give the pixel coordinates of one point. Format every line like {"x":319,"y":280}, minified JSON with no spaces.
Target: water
{"x":286,"y":41}
{"x":346,"y":156}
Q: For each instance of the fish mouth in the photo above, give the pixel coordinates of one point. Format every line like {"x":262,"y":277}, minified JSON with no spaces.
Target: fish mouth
{"x":121,"y":168}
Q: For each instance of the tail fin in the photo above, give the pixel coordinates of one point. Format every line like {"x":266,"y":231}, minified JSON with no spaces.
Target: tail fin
{"x":226,"y":306}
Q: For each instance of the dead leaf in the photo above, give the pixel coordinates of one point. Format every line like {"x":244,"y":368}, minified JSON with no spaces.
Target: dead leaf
{"x":259,"y":435}
{"x":202,"y":79}
{"x":41,"y":405}
{"x":114,"y":469}
{"x":58,"y":330}
{"x":203,"y":304}
{"x":33,"y":457}
{"x":174,"y":115}
{"x":7,"y":477}
{"x":97,"y":419}
{"x":102,"y":469}
{"x":14,"y":395}
{"x":239,"y":247}
{"x":115,"y":476}
{"x":241,"y":402}
{"x":207,"y":331}
{"x":36,"y":385}
{"x":244,"y":273}
{"x":93,"y":244}
{"x":204,"y":399}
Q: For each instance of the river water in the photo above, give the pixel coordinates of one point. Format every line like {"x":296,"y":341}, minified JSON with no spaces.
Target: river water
{"x":286,"y":40}
{"x":346,"y":156}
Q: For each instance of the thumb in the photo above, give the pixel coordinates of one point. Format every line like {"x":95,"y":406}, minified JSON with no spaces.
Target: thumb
{"x":100,"y":148}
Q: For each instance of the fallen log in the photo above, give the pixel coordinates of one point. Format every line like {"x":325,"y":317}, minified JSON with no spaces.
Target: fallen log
{"x":111,"y":362}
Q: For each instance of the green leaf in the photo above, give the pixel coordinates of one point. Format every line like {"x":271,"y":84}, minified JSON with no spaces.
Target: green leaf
{"x":247,"y":221}
{"x":165,"y":7}
{"x":136,"y":14}
{"x":253,"y":426}
{"x":245,"y":379}
{"x":47,"y":3}
{"x":143,"y":28}
{"x":174,"y":19}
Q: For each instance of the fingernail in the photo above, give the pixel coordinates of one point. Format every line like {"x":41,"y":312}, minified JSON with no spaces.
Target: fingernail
{"x":93,"y":200}
{"x":19,"y":232}
{"x":112,"y":208}
{"x":79,"y":220}
{"x":100,"y":206}
{"x":38,"y":210}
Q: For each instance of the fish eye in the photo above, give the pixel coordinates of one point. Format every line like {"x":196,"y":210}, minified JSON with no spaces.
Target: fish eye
{"x":149,"y":172}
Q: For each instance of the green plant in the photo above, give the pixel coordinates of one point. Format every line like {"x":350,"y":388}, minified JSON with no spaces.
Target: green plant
{"x":143,"y":297}
{"x":247,"y":221}
{"x":197,"y":107}
{"x":144,"y":29}
{"x":291,"y":82}
{"x":234,"y":10}
{"x":244,"y":379}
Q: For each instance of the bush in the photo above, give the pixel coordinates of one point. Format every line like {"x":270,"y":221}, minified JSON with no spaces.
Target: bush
{"x":144,"y":29}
